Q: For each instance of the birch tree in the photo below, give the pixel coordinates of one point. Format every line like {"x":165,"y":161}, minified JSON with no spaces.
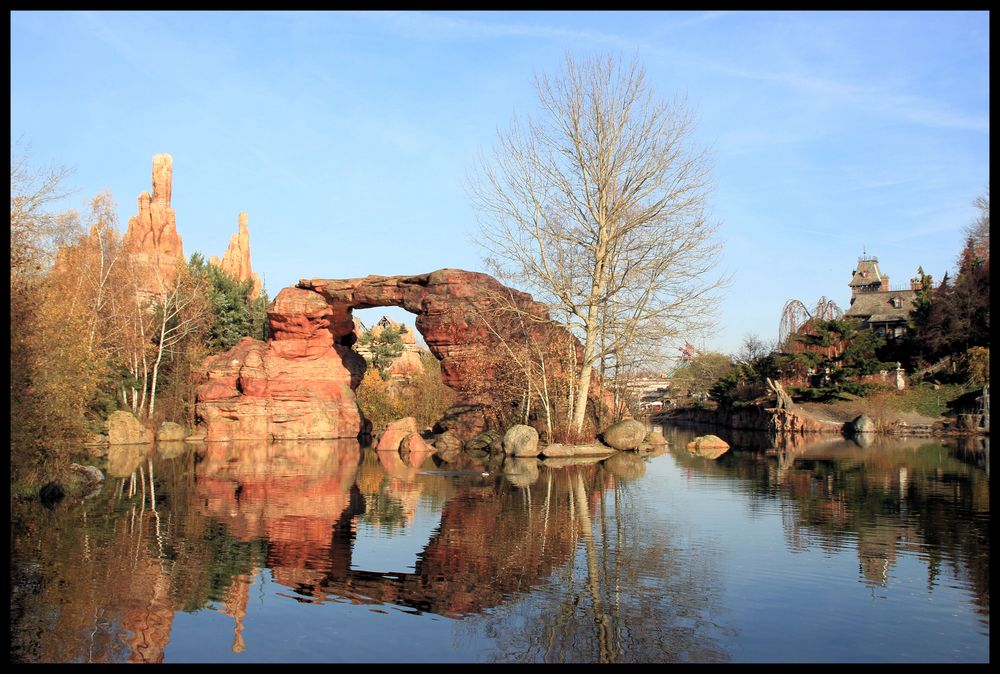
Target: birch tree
{"x":181,"y":312}
{"x":597,"y":206}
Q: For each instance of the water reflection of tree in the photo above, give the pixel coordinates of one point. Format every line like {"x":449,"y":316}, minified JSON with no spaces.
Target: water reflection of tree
{"x":924,"y":497}
{"x":100,"y":580}
{"x":625,"y":595}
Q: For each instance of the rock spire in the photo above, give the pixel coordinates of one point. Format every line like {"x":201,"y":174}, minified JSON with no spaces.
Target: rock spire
{"x":236,"y":261}
{"x":152,"y":241}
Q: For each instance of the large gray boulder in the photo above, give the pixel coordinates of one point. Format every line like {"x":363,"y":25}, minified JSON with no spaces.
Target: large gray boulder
{"x":521,"y":440}
{"x":627,"y":434}
{"x":863,"y":424}
{"x":125,"y":429}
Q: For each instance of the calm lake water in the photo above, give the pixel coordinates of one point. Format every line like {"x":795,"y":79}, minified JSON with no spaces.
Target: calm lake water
{"x":328,"y":552}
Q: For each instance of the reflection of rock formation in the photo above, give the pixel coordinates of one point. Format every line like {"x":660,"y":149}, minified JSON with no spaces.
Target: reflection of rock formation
{"x":235,"y":606}
{"x":298,"y":496}
{"x":151,"y":621}
{"x":489,"y":545}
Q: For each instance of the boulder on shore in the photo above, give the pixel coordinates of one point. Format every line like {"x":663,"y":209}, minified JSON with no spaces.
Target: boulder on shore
{"x":170,"y":432}
{"x":395,"y":432}
{"x":557,"y":450}
{"x":627,"y":434}
{"x":862,"y":424}
{"x":708,"y":446}
{"x":77,"y":481}
{"x":521,"y":440}
{"x":125,"y":429}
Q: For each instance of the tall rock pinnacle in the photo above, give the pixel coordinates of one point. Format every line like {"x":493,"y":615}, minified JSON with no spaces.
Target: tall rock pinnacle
{"x":151,"y":239}
{"x":236,"y":261}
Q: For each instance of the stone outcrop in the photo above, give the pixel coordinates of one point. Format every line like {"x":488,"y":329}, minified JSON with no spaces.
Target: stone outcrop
{"x":756,"y":418}
{"x":797,"y":420}
{"x":557,"y":450}
{"x":151,"y":241}
{"x":300,"y":383}
{"x":406,"y":364}
{"x":236,"y":260}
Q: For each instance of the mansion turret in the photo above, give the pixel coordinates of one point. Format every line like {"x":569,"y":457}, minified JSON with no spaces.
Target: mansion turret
{"x":879,"y":307}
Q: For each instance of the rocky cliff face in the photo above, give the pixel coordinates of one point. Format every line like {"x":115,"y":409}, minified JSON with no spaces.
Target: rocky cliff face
{"x":152,"y":241}
{"x":236,"y":260}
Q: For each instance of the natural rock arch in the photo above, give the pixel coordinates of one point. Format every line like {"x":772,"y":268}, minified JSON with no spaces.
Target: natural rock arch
{"x":299,"y":385}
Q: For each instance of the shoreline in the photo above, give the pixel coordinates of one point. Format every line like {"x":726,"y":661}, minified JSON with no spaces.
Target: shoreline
{"x":814,"y":418}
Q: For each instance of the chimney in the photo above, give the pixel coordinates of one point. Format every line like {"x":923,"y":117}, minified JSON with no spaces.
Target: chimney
{"x":915,"y":283}
{"x":885,"y":282}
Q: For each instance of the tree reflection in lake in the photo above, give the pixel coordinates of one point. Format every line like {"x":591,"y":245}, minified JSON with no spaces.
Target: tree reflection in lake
{"x":925,"y":496}
{"x":629,"y":593}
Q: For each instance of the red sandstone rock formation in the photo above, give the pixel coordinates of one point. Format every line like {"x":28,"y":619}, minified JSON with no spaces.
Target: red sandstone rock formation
{"x":236,"y":260}
{"x":153,"y":244}
{"x":299,"y":385}
{"x":447,"y":302}
{"x":280,"y":391}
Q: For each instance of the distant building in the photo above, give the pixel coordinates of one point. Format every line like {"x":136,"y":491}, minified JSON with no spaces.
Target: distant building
{"x":876,"y":304}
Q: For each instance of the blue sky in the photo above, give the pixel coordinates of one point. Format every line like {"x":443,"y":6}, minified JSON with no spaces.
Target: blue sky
{"x":348,"y":137}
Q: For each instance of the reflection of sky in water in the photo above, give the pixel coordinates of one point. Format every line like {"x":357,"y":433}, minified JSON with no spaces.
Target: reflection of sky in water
{"x":386,"y":549}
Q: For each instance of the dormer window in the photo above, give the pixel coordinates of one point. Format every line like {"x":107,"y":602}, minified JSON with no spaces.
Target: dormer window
{"x":896,"y":302}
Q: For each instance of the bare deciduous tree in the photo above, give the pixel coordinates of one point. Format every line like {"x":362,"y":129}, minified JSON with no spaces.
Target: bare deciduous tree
{"x":181,"y":311}
{"x":597,"y":207}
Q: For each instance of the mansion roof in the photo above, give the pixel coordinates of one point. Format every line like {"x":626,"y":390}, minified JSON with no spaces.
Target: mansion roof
{"x":866,"y":274}
{"x":886,"y":306}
